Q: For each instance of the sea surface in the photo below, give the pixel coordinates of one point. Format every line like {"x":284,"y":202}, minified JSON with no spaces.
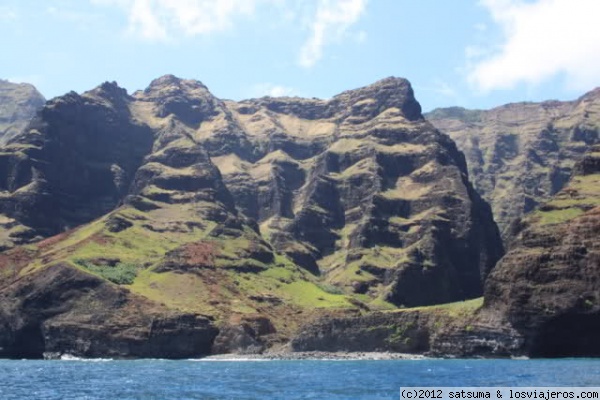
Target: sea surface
{"x":161,"y":379}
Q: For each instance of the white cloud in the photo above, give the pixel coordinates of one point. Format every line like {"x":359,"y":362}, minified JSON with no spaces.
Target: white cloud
{"x":441,"y":89}
{"x":144,"y":21}
{"x":164,"y":19}
{"x":328,"y":21}
{"x":270,"y":89}
{"x":542,"y":39}
{"x":8,"y":13}
{"x":331,"y":21}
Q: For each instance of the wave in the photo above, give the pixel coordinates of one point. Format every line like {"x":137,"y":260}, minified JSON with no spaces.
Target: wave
{"x":70,"y":357}
{"x":300,"y":357}
{"x":230,"y":359}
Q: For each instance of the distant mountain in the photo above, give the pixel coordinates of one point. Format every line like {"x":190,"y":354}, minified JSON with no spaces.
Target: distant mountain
{"x":520,"y":154}
{"x":18,"y":104}
{"x":232,"y":221}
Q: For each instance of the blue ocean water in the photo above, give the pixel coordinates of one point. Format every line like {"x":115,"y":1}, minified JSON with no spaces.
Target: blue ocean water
{"x":161,"y":379}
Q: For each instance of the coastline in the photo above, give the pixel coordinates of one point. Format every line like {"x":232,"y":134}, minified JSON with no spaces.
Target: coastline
{"x":315,"y":355}
{"x":283,"y":356}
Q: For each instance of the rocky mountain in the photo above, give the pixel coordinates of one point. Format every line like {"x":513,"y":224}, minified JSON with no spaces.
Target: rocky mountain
{"x":541,"y":299}
{"x":226,"y":222}
{"x":18,"y":104}
{"x":521,"y":154}
{"x":547,"y":285}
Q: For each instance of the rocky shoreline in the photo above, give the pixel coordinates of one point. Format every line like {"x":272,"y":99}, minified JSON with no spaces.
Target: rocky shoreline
{"x":316,"y":355}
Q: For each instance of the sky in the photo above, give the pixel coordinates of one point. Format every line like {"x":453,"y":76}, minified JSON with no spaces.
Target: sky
{"x":469,"y":53}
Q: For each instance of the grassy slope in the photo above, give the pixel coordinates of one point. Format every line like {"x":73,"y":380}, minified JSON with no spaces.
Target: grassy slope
{"x":282,"y":291}
{"x":279,"y":289}
{"x":582,"y":194}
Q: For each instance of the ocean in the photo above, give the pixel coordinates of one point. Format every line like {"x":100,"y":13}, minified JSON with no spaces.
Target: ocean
{"x":343,"y":379}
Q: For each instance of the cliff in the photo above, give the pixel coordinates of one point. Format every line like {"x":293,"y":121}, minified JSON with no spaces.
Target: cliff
{"x":541,"y":299}
{"x":245,"y":217}
{"x":547,"y":284}
{"x":519,"y":155}
{"x":459,"y":329}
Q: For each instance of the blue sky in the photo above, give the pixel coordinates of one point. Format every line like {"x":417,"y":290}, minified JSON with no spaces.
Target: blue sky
{"x":476,"y":54}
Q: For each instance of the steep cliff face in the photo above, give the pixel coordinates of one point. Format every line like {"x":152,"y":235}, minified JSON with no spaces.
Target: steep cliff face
{"x":18,"y":104}
{"x":547,"y":284}
{"x":541,"y":300}
{"x":74,"y":163}
{"x":58,"y":310}
{"x":258,"y":213}
{"x":360,"y":189}
{"x":451,"y":330}
{"x":519,"y":155}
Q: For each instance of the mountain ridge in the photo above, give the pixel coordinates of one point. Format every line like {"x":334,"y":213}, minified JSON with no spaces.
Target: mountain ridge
{"x":520,"y":154}
{"x":170,"y":223}
{"x":250,"y":212}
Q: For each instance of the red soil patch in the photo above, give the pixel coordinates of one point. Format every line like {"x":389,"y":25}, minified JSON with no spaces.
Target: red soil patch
{"x":200,"y":253}
{"x":18,"y":256}
{"x":44,"y":244}
{"x":100,"y":239}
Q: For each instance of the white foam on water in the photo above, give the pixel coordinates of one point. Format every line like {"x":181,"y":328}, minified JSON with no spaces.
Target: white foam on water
{"x":70,"y":357}
{"x":233,"y":359}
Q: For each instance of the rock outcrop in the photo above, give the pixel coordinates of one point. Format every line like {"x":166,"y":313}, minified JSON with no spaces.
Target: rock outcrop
{"x":60,"y":310}
{"x":18,"y":104}
{"x":519,"y":155}
{"x":455,"y":330}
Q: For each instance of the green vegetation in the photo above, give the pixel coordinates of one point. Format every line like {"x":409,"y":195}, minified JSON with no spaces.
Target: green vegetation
{"x":582,"y":194}
{"x":400,"y":334}
{"x":455,"y":309}
{"x":557,"y":216}
{"x":381,"y":305}
{"x":463,"y":114}
{"x":121,"y":273}
{"x":308,"y":294}
{"x":575,"y":202}
{"x":331,"y":289}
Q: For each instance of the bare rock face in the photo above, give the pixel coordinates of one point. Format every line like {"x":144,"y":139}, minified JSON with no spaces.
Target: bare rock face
{"x":547,"y":285}
{"x":18,"y":104}
{"x":248,"y":336}
{"x":273,"y":208}
{"x":359,"y":189}
{"x":541,"y":299}
{"x":519,"y":155}
{"x":74,"y":163}
{"x":459,"y":331}
{"x":60,"y":310}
